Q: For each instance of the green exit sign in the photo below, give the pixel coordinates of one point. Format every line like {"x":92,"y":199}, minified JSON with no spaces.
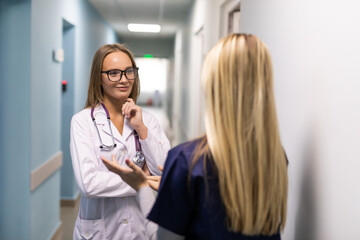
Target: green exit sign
{"x":148,"y":56}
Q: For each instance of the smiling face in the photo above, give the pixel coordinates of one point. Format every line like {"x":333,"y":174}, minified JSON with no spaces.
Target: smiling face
{"x":119,"y":90}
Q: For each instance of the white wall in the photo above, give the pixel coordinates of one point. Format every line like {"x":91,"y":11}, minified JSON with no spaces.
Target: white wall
{"x":315,"y":49}
{"x":181,"y":93}
{"x":191,"y":43}
{"x":196,"y":48}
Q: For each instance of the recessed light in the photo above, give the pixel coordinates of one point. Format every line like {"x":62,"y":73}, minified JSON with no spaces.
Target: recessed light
{"x":135,"y":27}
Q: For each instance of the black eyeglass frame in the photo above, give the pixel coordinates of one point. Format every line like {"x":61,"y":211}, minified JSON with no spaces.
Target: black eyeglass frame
{"x":121,"y":73}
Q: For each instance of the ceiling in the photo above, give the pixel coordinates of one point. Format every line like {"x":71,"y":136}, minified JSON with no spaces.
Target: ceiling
{"x":170,"y":14}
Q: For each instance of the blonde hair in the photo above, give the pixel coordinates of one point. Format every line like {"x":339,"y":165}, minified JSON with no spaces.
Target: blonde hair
{"x":242,"y":135}
{"x":95,"y":92}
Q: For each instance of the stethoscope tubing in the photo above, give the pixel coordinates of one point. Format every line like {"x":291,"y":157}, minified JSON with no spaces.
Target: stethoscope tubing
{"x":137,"y":142}
{"x":97,"y":130}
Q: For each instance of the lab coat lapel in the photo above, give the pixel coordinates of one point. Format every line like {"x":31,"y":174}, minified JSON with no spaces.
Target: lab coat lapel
{"x":127,"y":130}
{"x":116,"y":134}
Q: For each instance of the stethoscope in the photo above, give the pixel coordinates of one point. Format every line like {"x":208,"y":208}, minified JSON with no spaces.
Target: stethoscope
{"x":138,"y":159}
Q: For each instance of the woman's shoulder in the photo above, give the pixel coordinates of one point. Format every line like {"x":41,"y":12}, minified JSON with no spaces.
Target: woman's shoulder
{"x":187,"y":148}
{"x":86,"y":112}
{"x":178,"y":164}
{"x":183,"y":154}
{"x":83,"y":116}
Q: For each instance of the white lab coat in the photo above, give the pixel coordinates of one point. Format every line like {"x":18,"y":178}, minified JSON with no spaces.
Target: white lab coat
{"x":108,"y":206}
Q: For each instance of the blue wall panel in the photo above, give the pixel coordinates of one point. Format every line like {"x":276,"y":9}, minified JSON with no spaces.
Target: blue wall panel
{"x":15,"y":119}
{"x":46,"y":31}
{"x":45,"y":214}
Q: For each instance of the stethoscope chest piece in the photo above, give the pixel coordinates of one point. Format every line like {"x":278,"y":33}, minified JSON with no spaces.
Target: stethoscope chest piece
{"x":139,"y":159}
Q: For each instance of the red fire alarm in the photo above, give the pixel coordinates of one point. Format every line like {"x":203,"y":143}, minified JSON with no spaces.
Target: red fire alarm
{"x":64,"y":84}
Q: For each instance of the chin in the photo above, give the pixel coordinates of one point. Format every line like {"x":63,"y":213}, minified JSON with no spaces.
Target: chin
{"x":121,"y":97}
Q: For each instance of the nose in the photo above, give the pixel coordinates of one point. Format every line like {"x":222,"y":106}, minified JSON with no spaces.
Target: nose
{"x":122,"y":77}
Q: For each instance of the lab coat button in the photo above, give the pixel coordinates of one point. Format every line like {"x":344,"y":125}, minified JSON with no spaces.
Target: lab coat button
{"x":126,"y":221}
{"x":124,"y":151}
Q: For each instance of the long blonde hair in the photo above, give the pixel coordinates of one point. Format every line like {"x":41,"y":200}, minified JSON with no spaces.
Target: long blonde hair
{"x":95,"y":92}
{"x":243,"y":136}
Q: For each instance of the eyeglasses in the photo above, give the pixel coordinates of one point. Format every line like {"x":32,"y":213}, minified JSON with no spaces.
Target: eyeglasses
{"x":115,"y":75}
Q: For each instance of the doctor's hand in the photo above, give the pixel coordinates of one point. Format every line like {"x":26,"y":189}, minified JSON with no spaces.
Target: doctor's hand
{"x":133,"y":176}
{"x":133,"y":113}
{"x":154,"y":181}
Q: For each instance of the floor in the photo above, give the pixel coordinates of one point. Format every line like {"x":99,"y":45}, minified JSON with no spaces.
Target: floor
{"x":68,"y":217}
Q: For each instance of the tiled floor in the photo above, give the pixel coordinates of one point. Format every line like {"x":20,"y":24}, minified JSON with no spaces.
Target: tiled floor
{"x":68,"y":217}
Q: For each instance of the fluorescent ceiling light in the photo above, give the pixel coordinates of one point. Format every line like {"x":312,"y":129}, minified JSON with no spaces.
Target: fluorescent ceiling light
{"x":134,"y":27}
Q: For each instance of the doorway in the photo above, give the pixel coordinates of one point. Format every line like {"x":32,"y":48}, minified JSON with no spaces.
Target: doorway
{"x":69,"y":191}
{"x":68,"y":185}
{"x":229,"y":17}
{"x":198,"y":107}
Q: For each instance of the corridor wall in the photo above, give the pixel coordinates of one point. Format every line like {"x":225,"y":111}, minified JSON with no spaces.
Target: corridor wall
{"x":15,"y":119}
{"x":179,"y":109}
{"x":185,"y":116}
{"x":31,"y":106}
{"x":315,"y":49}
{"x":193,"y":40}
{"x":197,"y":23}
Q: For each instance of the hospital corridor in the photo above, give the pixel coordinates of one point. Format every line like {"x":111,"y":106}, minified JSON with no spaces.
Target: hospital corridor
{"x":48,"y":51}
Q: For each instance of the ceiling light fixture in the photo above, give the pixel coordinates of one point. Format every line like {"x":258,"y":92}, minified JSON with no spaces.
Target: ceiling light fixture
{"x":153,"y":28}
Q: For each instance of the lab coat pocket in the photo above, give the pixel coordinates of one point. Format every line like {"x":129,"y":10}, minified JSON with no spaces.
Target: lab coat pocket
{"x":92,"y":229}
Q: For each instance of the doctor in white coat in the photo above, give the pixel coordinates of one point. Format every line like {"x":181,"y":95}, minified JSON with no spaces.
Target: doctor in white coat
{"x":114,"y":127}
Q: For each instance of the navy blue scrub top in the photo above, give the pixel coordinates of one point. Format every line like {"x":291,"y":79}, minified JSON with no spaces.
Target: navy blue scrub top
{"x":190,"y":210}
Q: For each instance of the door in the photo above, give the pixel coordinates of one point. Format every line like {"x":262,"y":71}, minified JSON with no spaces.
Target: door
{"x":68,"y":184}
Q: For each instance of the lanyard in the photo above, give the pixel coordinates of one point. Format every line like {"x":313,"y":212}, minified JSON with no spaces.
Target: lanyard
{"x":138,"y":159}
